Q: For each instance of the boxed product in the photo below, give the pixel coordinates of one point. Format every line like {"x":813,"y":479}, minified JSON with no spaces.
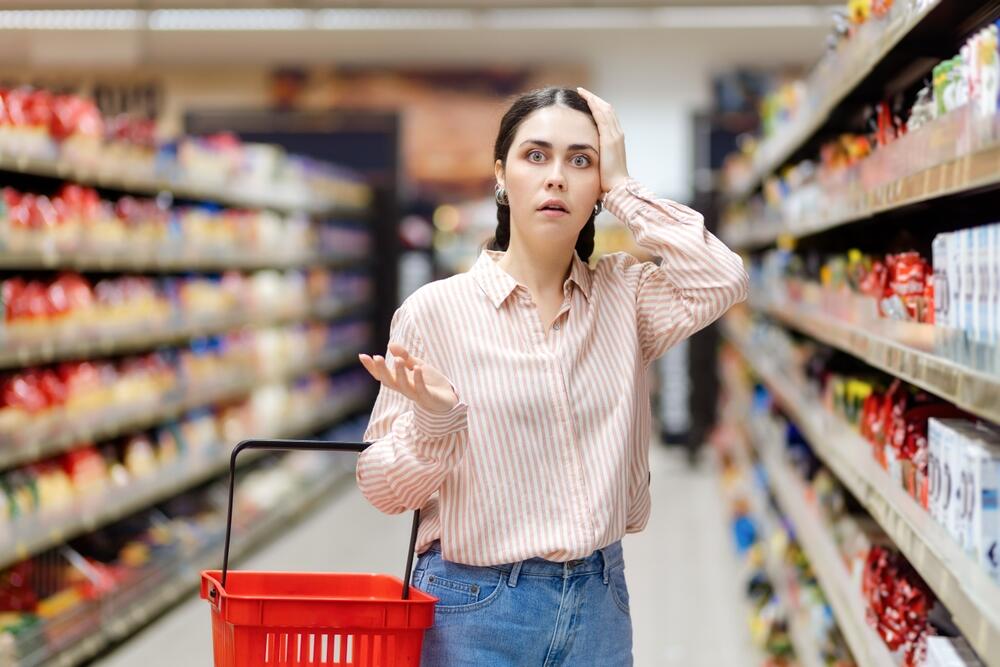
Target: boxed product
{"x":940,"y":259}
{"x":965,"y":488}
{"x":950,"y":652}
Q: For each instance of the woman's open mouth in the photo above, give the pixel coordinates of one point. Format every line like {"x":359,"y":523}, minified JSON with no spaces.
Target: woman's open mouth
{"x":553,"y":209}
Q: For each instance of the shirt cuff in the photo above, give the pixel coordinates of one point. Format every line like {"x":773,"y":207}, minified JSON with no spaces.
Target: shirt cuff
{"x":620,"y":200}
{"x":631,"y":196}
{"x":438,"y":424}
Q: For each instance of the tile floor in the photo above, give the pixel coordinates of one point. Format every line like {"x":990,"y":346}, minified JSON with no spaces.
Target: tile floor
{"x":681,"y":572}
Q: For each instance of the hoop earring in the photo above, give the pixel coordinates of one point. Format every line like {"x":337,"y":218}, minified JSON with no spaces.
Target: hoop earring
{"x":500,"y":194}
{"x":598,"y":207}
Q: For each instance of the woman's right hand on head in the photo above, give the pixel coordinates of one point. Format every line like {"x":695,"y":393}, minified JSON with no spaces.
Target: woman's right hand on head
{"x":414,"y":378}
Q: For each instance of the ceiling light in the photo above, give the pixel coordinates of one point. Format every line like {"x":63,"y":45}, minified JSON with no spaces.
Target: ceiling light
{"x":71,"y":19}
{"x":395,"y":19}
{"x":230,"y":19}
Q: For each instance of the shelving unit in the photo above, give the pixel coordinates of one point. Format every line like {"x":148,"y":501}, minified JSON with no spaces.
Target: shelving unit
{"x":962,"y":586}
{"x":924,"y":180}
{"x":180,"y":188}
{"x":25,"y":538}
{"x":63,"y":435}
{"x":866,"y":646}
{"x":946,"y":364}
{"x":79,"y":634}
{"x":50,"y":347}
{"x":953,"y":158}
{"x":182,"y":578}
{"x":857,"y":64}
{"x":152,"y":259}
{"x":806,"y":650}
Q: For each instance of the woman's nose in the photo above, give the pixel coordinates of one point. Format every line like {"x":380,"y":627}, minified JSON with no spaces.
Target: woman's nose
{"x":555,"y":180}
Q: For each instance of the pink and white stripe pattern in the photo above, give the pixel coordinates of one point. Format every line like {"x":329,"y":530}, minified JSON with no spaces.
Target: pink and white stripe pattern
{"x":547,"y":453}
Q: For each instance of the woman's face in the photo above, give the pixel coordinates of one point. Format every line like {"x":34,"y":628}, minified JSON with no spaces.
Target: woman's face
{"x":553,"y":157}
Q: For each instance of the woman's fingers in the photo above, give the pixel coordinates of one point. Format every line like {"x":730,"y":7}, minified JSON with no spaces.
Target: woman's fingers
{"x":401,"y":352}
{"x":603,"y":108}
{"x":411,"y":377}
{"x":419,"y":383}
{"x":403,"y":377}
{"x":369,"y":365}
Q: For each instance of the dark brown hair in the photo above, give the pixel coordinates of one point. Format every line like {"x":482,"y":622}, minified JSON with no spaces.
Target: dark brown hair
{"x":522,"y":107}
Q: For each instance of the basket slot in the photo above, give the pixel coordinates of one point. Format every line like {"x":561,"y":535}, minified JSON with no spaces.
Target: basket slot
{"x":346,"y":649}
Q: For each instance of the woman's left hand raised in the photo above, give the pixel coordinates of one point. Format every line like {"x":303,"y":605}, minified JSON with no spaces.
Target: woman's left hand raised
{"x":614,"y":171}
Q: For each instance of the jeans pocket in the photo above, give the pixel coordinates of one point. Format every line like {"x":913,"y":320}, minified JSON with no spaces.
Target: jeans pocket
{"x":460,"y":587}
{"x":619,"y":589}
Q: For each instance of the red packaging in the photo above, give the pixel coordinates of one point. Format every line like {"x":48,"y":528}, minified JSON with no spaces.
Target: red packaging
{"x":874,"y":282}
{"x":907,"y":283}
{"x":897,"y":604}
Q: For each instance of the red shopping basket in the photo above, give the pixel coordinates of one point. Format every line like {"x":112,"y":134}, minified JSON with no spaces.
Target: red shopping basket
{"x":287,"y":619}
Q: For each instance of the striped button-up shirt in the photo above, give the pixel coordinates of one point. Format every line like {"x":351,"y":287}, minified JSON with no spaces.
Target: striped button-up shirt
{"x":547,"y":452}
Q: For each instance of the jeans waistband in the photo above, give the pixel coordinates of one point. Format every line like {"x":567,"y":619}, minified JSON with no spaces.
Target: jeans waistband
{"x":600,"y":561}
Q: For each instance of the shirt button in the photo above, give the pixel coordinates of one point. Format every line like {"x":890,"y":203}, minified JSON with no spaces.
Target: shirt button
{"x":555,"y":326}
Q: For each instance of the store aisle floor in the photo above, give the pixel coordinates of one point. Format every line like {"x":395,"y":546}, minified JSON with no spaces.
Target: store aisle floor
{"x":680,"y":571}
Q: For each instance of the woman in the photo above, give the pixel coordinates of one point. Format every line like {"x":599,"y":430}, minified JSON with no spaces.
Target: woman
{"x":514,"y":409}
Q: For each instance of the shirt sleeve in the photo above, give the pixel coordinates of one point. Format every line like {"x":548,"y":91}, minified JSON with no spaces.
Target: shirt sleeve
{"x":696,"y":282}
{"x":412,"y":449}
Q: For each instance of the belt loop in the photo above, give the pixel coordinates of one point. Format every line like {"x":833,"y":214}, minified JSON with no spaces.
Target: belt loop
{"x":607,"y":567}
{"x":515,"y":571}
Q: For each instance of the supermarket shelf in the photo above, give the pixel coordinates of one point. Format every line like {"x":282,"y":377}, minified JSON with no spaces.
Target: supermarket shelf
{"x":60,"y":346}
{"x":943,"y":363}
{"x":180,"y":188}
{"x":803,"y":641}
{"x":806,"y":649}
{"x":153,"y":259}
{"x":964,"y":174}
{"x":186,"y":575}
{"x":22,"y":541}
{"x":65,"y":435}
{"x":962,"y":586}
{"x":811,"y":533}
{"x":863,"y":64}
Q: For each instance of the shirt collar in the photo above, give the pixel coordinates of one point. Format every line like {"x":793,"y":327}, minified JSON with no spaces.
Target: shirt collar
{"x":497,"y":284}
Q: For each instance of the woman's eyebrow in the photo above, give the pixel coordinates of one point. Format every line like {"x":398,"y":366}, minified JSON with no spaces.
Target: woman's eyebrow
{"x":548,"y":144}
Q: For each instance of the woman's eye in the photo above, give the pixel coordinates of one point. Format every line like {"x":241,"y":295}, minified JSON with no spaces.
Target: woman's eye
{"x":532,"y":154}
{"x":581,"y":160}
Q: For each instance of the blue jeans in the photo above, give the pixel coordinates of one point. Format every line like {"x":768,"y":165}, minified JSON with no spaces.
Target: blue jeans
{"x":533,"y":613}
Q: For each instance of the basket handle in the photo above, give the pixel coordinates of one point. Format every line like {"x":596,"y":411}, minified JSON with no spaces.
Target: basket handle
{"x":304,"y":445}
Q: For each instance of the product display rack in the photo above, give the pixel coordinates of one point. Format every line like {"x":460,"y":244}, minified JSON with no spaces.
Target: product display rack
{"x":824,"y":558}
{"x":962,"y":586}
{"x":47,"y":348}
{"x":920,"y":174}
{"x":156,"y":260}
{"x":848,"y":608}
{"x":114,"y":617}
{"x":859,"y":63}
{"x":867,"y":68}
{"x":63,"y":435}
{"x":180,"y":188}
{"x":942,"y":362}
{"x":38,"y":534}
{"x":806,"y":649}
{"x":925,"y":179}
{"x":182,"y":578}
